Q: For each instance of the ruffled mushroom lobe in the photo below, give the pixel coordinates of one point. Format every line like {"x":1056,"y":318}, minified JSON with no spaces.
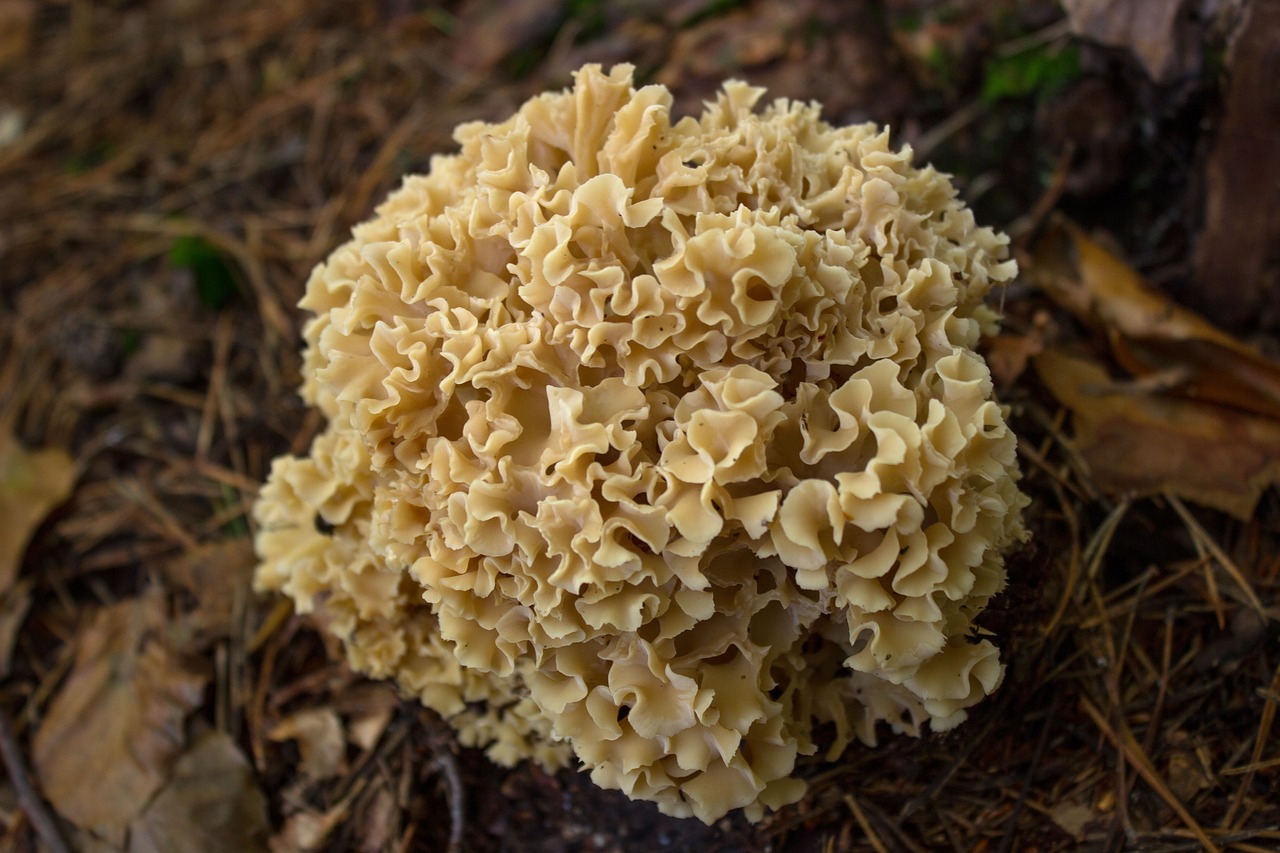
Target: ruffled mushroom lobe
{"x":656,"y":444}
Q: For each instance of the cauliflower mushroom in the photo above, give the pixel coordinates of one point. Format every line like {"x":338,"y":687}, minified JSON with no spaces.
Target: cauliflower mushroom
{"x":655,"y":444}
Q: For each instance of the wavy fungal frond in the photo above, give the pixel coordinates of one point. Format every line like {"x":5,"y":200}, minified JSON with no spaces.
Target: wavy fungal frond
{"x":657,"y":444}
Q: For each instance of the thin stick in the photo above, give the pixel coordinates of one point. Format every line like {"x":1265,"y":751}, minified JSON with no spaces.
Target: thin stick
{"x":1166,"y":661}
{"x":868,"y":831}
{"x":1202,"y":537}
{"x":1122,"y":739}
{"x":1073,"y":562}
{"x":444,"y":765}
{"x":1259,"y":744}
{"x":1032,"y":769}
{"x":31,"y":803}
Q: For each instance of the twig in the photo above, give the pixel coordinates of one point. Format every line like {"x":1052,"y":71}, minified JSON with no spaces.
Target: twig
{"x":969,"y":748}
{"x":1162,"y":692}
{"x":1100,"y":543}
{"x":948,"y":127}
{"x":1012,"y":823}
{"x":1203,"y":539}
{"x":1073,"y":561}
{"x":1259,"y":744}
{"x":29,"y":800}
{"x":1122,"y":739}
{"x":444,"y":765}
{"x":868,"y":831}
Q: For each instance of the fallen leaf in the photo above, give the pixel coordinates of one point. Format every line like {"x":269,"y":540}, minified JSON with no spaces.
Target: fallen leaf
{"x":112,"y":732}
{"x":305,"y":831}
{"x":379,"y":821}
{"x":1149,"y":334}
{"x":1237,"y":267}
{"x":1072,"y":818}
{"x":1009,"y":355}
{"x":16,"y":27}
{"x":1155,"y":31}
{"x":163,"y":357}
{"x":321,"y":741}
{"x":31,"y":484}
{"x":211,"y":804}
{"x":214,"y":575}
{"x":368,"y":709}
{"x":1143,"y":444}
{"x":1185,"y":775}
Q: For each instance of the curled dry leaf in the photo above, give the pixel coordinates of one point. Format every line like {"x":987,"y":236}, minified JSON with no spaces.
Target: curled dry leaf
{"x":214,"y":575}
{"x":368,"y":709}
{"x":305,"y":831}
{"x":1009,"y":355}
{"x":17,"y":20}
{"x":211,"y":804}
{"x":31,"y":484}
{"x":1073,"y":818}
{"x":1156,"y":31}
{"x":114,"y":729}
{"x":321,"y":741}
{"x":379,"y":821}
{"x":1149,"y":334}
{"x":1144,"y":444}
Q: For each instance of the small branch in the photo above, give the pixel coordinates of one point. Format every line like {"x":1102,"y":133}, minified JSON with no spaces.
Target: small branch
{"x":29,"y":800}
{"x":1126,"y":745}
{"x":444,"y":765}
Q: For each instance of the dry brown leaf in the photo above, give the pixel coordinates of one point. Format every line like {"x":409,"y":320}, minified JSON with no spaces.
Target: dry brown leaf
{"x":1149,"y":334}
{"x":379,"y":820}
{"x":31,"y":484}
{"x":1186,"y":777}
{"x":16,"y":27}
{"x":113,"y":730}
{"x":1009,"y":355}
{"x":211,"y":804}
{"x":1144,"y":444}
{"x":1072,"y":818}
{"x":214,"y":575}
{"x":306,"y":831}
{"x":368,"y":709}
{"x":321,"y":741}
{"x":1155,"y":30}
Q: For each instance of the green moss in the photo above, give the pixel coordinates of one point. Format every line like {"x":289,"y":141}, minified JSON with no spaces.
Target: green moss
{"x":1039,"y":72}
{"x":217,"y":276}
{"x":130,"y":341}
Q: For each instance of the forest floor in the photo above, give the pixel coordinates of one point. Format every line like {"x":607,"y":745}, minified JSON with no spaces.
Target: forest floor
{"x":170,"y":172}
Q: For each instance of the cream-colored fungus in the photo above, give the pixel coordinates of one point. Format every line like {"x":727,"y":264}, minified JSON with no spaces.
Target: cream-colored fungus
{"x":658,"y":444}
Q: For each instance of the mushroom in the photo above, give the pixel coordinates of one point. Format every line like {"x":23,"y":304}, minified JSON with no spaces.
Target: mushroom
{"x":656,"y":444}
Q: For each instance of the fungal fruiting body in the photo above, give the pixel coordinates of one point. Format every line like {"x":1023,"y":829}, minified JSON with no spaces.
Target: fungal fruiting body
{"x":657,"y":444}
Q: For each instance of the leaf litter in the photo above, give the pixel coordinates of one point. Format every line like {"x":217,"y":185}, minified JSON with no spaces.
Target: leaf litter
{"x":112,"y":732}
{"x":31,"y":484}
{"x":1198,"y":414}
